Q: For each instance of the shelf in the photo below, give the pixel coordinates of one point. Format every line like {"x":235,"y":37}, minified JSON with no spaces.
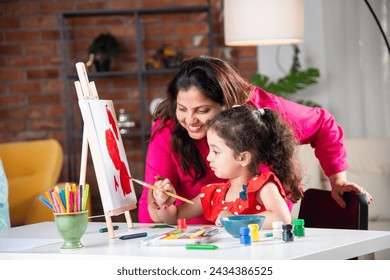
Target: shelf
{"x":112,"y":74}
{"x":137,"y":82}
{"x":145,"y":11}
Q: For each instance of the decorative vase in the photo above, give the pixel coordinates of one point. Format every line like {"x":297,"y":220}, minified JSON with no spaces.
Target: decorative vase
{"x":102,"y":65}
{"x":71,"y":227}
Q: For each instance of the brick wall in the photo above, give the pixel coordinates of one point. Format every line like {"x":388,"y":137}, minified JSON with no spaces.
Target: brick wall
{"x":33,"y":66}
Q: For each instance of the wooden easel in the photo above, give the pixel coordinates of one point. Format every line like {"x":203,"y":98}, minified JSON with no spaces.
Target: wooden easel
{"x":87,"y":91}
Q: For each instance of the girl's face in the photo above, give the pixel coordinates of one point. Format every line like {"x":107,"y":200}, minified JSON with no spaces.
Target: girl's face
{"x":222,"y":159}
{"x":193,"y":110}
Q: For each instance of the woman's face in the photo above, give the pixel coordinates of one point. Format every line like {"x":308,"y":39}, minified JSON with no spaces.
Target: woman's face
{"x":193,"y":110}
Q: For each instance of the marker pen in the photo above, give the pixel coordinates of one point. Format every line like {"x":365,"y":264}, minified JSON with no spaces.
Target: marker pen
{"x":132,"y":236}
{"x":106,"y":229}
{"x":201,"y":247}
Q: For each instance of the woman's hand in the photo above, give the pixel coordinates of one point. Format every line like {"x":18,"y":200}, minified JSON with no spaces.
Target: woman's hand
{"x":340,"y":185}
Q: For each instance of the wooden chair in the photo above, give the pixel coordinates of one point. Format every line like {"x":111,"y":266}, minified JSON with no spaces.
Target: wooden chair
{"x":320,"y":210}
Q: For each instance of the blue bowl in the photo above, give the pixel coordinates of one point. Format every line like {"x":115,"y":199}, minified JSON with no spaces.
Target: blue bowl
{"x":232,"y":224}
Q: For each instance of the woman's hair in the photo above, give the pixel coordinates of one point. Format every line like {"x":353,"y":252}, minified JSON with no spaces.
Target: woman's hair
{"x":269,"y":139}
{"x":219,"y":82}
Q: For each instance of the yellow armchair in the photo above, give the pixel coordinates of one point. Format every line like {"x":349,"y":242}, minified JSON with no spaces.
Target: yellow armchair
{"x":31,"y":167}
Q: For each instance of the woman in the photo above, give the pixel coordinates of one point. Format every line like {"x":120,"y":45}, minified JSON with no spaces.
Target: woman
{"x":203,"y":87}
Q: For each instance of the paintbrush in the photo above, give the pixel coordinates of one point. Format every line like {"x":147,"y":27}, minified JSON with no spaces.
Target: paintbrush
{"x":166,"y":192}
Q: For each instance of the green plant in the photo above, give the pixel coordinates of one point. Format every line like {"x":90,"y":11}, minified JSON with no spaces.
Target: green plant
{"x":105,"y":45}
{"x":293,"y":82}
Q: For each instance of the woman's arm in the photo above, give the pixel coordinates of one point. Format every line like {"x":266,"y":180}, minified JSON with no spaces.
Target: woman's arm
{"x":187,"y":211}
{"x":317,"y":127}
{"x":158,"y":162}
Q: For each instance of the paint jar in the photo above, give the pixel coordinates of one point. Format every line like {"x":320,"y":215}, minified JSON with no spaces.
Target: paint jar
{"x":299,"y":227}
{"x":245,"y":238}
{"x":277,"y":229}
{"x":287,"y":233}
{"x":181,"y":224}
{"x":254,"y":232}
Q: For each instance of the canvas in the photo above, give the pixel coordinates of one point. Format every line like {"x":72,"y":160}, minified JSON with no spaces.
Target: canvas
{"x":108,"y":154}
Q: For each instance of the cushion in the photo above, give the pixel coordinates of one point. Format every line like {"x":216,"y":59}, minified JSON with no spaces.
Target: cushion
{"x":4,"y":209}
{"x":369,"y":166}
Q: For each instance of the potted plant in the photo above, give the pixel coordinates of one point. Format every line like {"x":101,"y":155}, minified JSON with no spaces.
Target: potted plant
{"x":296,"y":80}
{"x":102,"y":49}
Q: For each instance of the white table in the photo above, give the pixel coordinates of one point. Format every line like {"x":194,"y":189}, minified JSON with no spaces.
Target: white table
{"x":42,"y":241}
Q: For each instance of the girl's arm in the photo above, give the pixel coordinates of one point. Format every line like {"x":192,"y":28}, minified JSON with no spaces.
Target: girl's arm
{"x":276,"y":206}
{"x":159,"y":199}
{"x":185,"y":210}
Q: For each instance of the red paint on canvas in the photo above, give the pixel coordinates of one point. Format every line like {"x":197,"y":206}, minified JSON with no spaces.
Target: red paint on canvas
{"x":112,"y":139}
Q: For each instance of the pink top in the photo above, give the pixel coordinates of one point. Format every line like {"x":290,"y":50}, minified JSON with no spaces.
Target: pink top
{"x":213,"y":196}
{"x":313,"y":126}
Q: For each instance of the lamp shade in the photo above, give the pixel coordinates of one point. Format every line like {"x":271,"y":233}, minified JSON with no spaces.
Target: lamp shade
{"x":263,"y":22}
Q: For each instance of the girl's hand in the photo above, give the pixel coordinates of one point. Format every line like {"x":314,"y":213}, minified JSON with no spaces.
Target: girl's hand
{"x":223,"y":213}
{"x":152,"y":201}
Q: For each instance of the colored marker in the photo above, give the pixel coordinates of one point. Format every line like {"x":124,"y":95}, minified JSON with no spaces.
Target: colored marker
{"x":77,"y":205}
{"x":50,"y":199}
{"x":67,"y":198}
{"x":198,"y":233}
{"x":85,"y":197}
{"x":47,"y":203}
{"x":70,"y":200}
{"x":63,"y":199}
{"x":148,"y":239}
{"x":211,"y":231}
{"x":201,"y":247}
{"x":161,"y":226}
{"x":74,"y":190}
{"x":106,"y":229}
{"x":153,"y":238}
{"x":132,"y":236}
{"x":59,"y":202}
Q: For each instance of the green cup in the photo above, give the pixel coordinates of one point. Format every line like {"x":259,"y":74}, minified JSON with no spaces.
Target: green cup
{"x":71,"y":227}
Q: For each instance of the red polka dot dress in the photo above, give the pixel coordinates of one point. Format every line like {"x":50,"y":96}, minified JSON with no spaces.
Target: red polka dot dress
{"x":213,"y":196}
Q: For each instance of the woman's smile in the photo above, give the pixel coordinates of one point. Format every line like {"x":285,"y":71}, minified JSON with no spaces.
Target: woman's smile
{"x":193,"y":110}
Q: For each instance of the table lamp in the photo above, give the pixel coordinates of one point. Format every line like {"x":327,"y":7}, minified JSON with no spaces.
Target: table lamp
{"x":263,"y":22}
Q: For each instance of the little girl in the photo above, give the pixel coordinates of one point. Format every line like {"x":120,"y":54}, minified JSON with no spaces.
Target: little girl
{"x":241,"y":139}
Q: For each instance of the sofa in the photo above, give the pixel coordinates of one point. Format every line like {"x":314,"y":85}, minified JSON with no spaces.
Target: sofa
{"x":368,"y":166}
